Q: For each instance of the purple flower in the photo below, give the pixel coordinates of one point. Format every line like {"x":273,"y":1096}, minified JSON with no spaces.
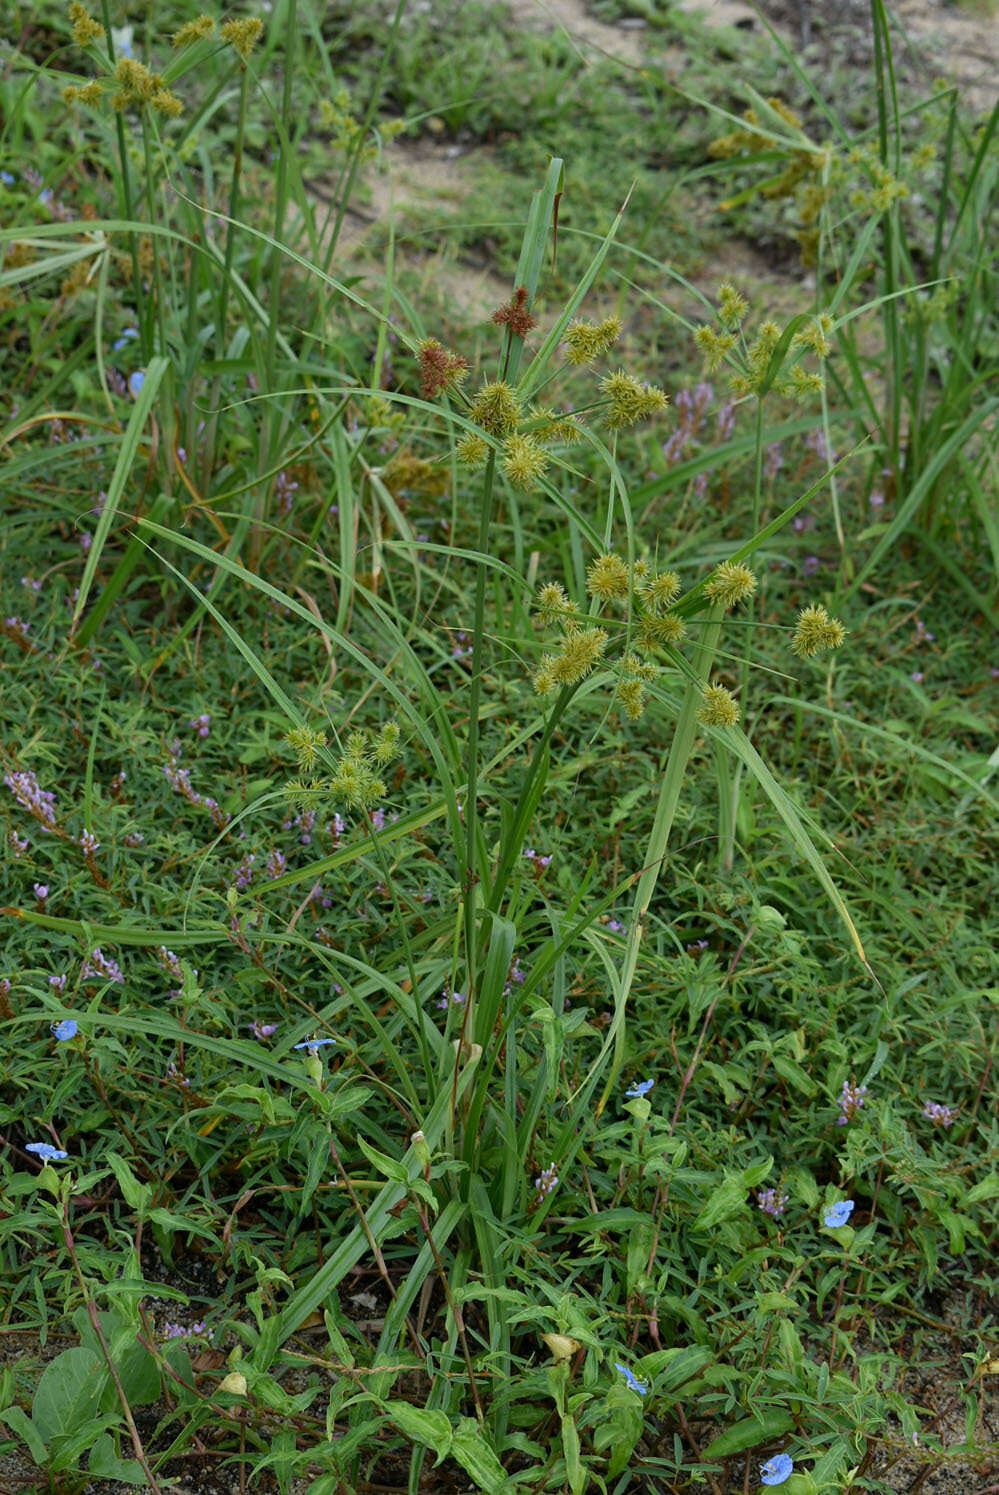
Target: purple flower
{"x":170,"y":963}
{"x":726,"y":421}
{"x":276,"y":864}
{"x":41,"y":890}
{"x":642,"y":1088}
{"x":65,"y":1030}
{"x":178,"y":1331}
{"x":202,"y":723}
{"x":88,"y":843}
{"x":99,"y":964}
{"x":634,"y":1384}
{"x":449,"y":998}
{"x":776,"y":1470}
{"x":244,"y":872}
{"x":547,"y":1181}
{"x":45,"y":1151}
{"x":263,"y":1030}
{"x":851,"y":1099}
{"x":58,"y":983}
{"x":771,"y":1202}
{"x":939,"y":1115}
{"x":532,"y":856}
{"x":810,"y":565}
{"x":917,"y":677}
{"x":838,"y":1214}
{"x":19,"y":844}
{"x":615,"y":926}
{"x":38,"y":802}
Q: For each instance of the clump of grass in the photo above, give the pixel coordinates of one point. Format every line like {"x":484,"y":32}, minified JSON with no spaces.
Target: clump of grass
{"x":373,"y":925}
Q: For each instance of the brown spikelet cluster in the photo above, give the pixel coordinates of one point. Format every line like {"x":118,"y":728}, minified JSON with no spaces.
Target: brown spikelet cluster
{"x":514,"y":314}
{"x":440,"y":369}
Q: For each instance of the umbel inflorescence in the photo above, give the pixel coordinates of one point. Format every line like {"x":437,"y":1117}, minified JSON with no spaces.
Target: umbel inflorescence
{"x":650,"y":622}
{"x":521,"y":433}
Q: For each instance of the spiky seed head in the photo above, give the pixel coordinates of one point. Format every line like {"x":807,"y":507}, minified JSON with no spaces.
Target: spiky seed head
{"x":194,"y":31}
{"x":440,"y":369}
{"x":85,"y":28}
{"x":523,"y":461}
{"x":730,"y":584}
{"x":632,"y":664}
{"x":555,"y":606}
{"x":660,"y":592}
{"x":558,"y":429}
{"x":815,"y":632}
{"x":166,"y":102}
{"x":631,"y":694}
{"x":732,"y":307}
{"x":515,"y":315}
{"x":713,"y":346}
{"x":495,"y":408}
{"x":658,"y":633}
{"x":630,"y":401}
{"x":766,"y":340}
{"x":305,"y":744}
{"x":545,"y":680}
{"x":472,"y":450}
{"x":802,"y":385}
{"x":578,"y":655}
{"x":607,"y":579}
{"x":386,"y":744}
{"x":242,"y":35}
{"x":718,"y":707}
{"x":585,"y":341}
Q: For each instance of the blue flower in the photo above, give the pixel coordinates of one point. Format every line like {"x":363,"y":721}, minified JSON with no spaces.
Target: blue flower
{"x":642,"y":1088}
{"x":66,"y":1029}
{"x":634,"y":1383}
{"x":45,"y":1151}
{"x":838,"y":1214}
{"x":314,"y":1044}
{"x":135,"y":382}
{"x":776,"y":1470}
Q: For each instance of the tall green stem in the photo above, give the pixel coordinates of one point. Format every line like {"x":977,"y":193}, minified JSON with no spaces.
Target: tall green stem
{"x":472,"y":748}
{"x":669,"y":799}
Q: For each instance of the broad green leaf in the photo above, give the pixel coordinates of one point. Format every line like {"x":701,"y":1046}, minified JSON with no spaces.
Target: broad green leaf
{"x":748,"y":1433}
{"x":477,"y":1457}
{"x":21,"y":1424}
{"x":68,"y":1392}
{"x":105,"y":1463}
{"x":422,"y":1425}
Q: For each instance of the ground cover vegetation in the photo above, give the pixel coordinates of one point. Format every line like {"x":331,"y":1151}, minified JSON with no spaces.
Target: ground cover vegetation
{"x":498,"y":955}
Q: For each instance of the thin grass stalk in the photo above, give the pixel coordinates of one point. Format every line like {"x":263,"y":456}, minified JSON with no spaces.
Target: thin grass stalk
{"x":655,"y":853}
{"x":125,"y":180}
{"x":160,"y":312}
{"x":472,"y":747}
{"x":280,"y":195}
{"x":890,"y":229}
